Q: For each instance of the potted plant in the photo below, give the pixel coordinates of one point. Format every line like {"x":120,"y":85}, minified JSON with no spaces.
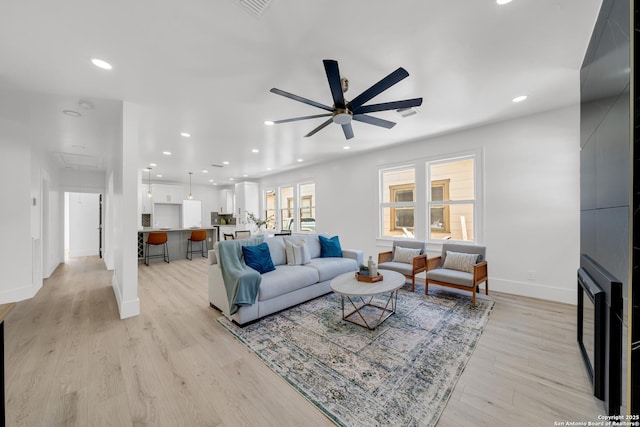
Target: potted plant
{"x":259,"y":223}
{"x":364,"y":270}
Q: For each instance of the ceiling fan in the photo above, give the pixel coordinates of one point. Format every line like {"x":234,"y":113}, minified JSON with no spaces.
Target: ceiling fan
{"x":343,"y":111}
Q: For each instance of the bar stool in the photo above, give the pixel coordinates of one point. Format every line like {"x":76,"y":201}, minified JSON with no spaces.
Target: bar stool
{"x":228,"y":236}
{"x":156,"y":238}
{"x":197,"y":236}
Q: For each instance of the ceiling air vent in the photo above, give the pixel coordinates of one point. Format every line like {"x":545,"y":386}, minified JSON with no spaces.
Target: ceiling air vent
{"x":256,"y":7}
{"x":406,"y":112}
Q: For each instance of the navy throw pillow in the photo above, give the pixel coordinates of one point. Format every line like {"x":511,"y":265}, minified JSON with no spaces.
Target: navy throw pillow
{"x":258,"y":258}
{"x":330,"y":247}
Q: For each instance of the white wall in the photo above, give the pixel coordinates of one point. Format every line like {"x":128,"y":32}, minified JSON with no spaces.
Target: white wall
{"x":84,"y":220}
{"x":531,"y":203}
{"x":121,"y":242}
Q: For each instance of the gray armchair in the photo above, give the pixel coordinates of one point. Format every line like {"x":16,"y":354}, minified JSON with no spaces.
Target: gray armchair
{"x":459,"y":275}
{"x":411,"y":267}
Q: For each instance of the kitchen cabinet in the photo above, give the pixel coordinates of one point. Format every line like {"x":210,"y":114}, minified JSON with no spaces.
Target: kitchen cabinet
{"x":226,"y":201}
{"x":145,"y":199}
{"x":167,"y":193}
{"x":247,"y":195}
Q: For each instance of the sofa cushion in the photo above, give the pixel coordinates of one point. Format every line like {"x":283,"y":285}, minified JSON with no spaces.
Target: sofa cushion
{"x":277,"y":250}
{"x":405,"y":255}
{"x":399,"y":267}
{"x":451,"y":276}
{"x":258,"y":258}
{"x":285,"y":279}
{"x":328,"y":268}
{"x":313,"y":243}
{"x":460,"y":261}
{"x":330,"y":247}
{"x":297,"y":253}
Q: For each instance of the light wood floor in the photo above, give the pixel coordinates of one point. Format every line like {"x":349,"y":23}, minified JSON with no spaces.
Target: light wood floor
{"x":71,"y":361}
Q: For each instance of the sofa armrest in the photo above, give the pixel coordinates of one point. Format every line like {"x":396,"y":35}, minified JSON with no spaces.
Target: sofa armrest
{"x":385,"y":257}
{"x":356,"y":254}
{"x":433,"y":263}
{"x":212,"y":257}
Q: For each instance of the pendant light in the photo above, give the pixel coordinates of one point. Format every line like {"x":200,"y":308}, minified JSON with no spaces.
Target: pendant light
{"x":149,"y":192}
{"x":190,"y":196}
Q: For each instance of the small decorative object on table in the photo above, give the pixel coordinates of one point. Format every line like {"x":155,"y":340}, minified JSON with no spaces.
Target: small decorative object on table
{"x":364,"y":270}
{"x":368,"y":279}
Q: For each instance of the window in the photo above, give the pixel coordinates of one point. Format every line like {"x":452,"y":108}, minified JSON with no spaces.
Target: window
{"x":451,"y":199}
{"x":286,"y":208}
{"x":307,"y":206}
{"x":398,"y":202}
{"x":270,"y":209}
{"x":292,"y":207}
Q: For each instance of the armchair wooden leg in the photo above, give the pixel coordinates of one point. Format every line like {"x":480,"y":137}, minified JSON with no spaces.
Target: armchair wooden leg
{"x":413,"y":283}
{"x":426,"y":287}
{"x":473,"y":299}
{"x":486,"y":287}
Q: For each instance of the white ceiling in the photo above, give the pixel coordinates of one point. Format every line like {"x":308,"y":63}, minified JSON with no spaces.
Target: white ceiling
{"x":206,"y":67}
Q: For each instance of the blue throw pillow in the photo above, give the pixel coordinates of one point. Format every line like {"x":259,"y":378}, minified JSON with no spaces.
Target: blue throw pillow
{"x":330,"y":247}
{"x":258,"y":258}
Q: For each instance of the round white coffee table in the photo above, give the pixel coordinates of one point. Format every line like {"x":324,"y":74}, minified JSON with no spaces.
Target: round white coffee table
{"x":360,"y":296}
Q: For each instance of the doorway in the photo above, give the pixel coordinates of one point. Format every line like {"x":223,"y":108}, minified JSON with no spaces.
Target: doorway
{"x":82,"y":228}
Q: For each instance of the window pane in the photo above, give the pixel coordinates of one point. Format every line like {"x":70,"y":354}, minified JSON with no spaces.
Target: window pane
{"x":307,"y":207}
{"x":458,"y":177}
{"x":398,"y":221}
{"x":458,"y":225}
{"x":286,"y":208}
{"x":270,"y":208}
{"x":400,"y":180}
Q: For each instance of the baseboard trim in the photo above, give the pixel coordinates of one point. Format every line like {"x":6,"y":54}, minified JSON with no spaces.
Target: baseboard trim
{"x":129,"y":308}
{"x":534,"y":290}
{"x":18,"y":294}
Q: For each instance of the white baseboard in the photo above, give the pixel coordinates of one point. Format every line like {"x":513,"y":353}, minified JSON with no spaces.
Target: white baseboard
{"x":126,"y":308}
{"x":18,"y":294}
{"x":534,"y":290}
{"x":84,"y":252}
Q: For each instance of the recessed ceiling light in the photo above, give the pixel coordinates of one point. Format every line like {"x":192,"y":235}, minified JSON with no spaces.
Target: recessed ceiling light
{"x":519,"y":98}
{"x":503,"y":1}
{"x":245,"y":175}
{"x":71,"y":113}
{"x":186,"y":135}
{"x":299,"y":160}
{"x":269,"y":123}
{"x":268,"y":169}
{"x":166,"y":153}
{"x":255,"y":150}
{"x":159,"y":175}
{"x":225,"y":163}
{"x":346,"y":147}
{"x":205,"y":171}
{"x":153,"y":165}
{"x":210,"y":180}
{"x":215,"y":183}
{"x":100,"y":63}
{"x":230,"y":179}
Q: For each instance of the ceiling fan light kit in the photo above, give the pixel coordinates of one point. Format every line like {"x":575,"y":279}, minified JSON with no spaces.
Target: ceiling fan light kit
{"x":343,"y":112}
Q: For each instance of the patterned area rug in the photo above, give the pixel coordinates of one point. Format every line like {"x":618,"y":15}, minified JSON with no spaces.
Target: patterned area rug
{"x":400,"y":374}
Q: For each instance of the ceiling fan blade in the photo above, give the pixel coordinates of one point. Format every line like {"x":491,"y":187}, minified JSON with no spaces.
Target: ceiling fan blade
{"x":379,"y":87}
{"x":333,"y":76}
{"x":322,"y":126}
{"x":373,"y":121}
{"x":300,"y":99}
{"x":348,"y":130}
{"x":295,"y":119}
{"x":396,"y":105}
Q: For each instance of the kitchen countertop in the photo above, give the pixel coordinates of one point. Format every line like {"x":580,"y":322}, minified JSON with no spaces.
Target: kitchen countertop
{"x":149,"y":229}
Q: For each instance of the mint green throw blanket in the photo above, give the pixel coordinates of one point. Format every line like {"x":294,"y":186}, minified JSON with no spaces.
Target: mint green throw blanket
{"x":241,"y":281}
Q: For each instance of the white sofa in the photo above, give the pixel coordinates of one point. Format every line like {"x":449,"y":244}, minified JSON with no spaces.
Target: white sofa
{"x":287,"y":285}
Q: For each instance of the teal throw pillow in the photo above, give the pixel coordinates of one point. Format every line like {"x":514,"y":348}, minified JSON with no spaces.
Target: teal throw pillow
{"x":258,"y":258}
{"x":330,"y":247}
